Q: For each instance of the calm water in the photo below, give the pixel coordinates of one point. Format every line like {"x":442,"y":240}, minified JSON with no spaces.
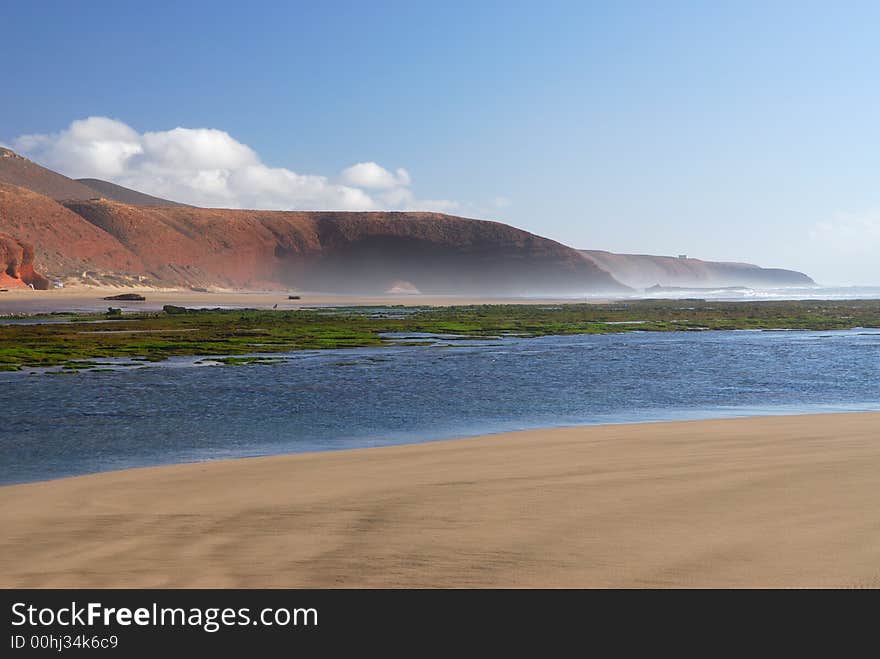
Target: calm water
{"x":61,"y":425}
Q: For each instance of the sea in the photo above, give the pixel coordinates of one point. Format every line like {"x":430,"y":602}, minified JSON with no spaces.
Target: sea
{"x":745,"y":293}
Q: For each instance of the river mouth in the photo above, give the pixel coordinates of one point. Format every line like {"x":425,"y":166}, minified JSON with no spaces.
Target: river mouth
{"x":426,"y":387}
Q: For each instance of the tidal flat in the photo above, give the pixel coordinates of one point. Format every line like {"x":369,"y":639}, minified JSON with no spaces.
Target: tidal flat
{"x":77,"y":342}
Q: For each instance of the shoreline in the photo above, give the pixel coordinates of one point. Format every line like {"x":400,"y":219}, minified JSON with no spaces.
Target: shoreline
{"x":89,"y":299}
{"x":754,"y":501}
{"x":763,"y":414}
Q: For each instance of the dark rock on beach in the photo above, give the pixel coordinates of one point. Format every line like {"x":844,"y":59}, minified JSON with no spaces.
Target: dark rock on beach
{"x":130,"y":297}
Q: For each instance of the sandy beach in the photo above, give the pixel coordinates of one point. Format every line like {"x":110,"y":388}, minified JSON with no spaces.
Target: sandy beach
{"x":775,"y":501}
{"x":90,"y":300}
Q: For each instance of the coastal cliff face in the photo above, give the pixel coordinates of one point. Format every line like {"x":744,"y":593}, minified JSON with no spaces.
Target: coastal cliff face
{"x":64,"y":243}
{"x":642,"y":271}
{"x":343,"y":252}
{"x":97,"y":232}
{"x":17,"y":265}
{"x":93,"y":231}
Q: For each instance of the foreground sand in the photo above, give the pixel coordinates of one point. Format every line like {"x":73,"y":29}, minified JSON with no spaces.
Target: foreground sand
{"x":89,"y":299}
{"x":779,"y":501}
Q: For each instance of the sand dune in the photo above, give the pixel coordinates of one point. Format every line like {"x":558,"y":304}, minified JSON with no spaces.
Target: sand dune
{"x":781,"y":501}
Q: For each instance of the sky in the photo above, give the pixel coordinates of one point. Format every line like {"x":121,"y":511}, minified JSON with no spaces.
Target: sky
{"x":745,"y":131}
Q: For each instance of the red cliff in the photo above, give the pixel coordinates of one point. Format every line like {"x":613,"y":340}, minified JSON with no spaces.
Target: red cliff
{"x":17,"y":265}
{"x":343,"y":252}
{"x":64,"y":243}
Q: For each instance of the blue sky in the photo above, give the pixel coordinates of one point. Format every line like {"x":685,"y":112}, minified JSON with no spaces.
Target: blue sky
{"x":738,"y":131}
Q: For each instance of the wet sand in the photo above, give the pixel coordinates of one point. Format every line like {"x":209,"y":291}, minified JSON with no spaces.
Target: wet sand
{"x":83,"y":300}
{"x":776,"y":501}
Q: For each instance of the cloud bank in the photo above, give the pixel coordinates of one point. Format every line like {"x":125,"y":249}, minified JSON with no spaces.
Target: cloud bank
{"x":208,"y":167}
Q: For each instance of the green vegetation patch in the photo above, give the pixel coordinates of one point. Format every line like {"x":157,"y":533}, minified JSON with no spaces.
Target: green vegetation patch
{"x":236,"y":335}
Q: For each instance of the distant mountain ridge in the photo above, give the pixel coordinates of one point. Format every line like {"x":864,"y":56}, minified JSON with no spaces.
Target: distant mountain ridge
{"x":641,"y":271}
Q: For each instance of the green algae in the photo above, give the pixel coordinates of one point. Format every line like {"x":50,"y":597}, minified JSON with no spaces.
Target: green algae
{"x":231,"y":335}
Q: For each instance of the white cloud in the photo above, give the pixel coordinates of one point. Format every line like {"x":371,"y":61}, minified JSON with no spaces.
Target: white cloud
{"x":208,"y":167}
{"x":96,"y":147}
{"x":373,"y":176}
{"x":198,"y":149}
